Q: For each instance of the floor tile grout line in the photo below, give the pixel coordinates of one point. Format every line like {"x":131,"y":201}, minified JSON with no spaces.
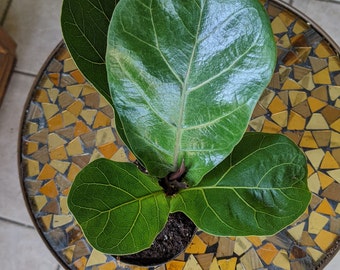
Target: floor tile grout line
{"x":6,"y":12}
{"x":24,"y":73}
{"x":16,"y":223}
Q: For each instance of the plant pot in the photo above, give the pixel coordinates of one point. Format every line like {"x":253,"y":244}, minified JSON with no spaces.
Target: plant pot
{"x":66,"y":124}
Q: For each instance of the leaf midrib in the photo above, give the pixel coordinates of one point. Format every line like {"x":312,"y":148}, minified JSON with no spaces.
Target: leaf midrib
{"x":184,"y":95}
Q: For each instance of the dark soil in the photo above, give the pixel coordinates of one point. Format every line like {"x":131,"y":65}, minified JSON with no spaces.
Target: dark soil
{"x":173,"y":239}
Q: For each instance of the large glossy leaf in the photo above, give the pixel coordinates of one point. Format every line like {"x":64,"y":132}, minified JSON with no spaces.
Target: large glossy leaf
{"x":120,"y":209}
{"x":84,"y":25}
{"x":185,"y":77}
{"x":260,"y":189}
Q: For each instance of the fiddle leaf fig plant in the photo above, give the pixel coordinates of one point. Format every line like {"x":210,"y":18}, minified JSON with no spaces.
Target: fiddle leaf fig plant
{"x":183,"y":78}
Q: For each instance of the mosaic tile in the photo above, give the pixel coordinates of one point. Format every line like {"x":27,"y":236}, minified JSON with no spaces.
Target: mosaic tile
{"x":225,"y":247}
{"x":229,"y":264}
{"x":68,"y":124}
{"x":281,"y":260}
{"x":296,"y":231}
{"x":205,"y":260}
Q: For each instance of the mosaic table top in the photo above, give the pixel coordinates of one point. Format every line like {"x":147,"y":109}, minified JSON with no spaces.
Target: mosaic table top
{"x":67,"y":124}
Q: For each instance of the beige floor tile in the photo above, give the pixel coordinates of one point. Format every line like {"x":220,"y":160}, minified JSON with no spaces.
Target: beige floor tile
{"x":34,"y":25}
{"x":22,"y":248}
{"x":11,"y":200}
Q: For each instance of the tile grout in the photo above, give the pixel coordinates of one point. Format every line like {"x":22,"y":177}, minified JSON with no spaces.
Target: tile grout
{"x":17,"y":223}
{"x":24,"y":73}
{"x":6,"y":12}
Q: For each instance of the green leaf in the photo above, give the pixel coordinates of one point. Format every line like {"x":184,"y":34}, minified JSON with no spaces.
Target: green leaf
{"x":120,"y":209}
{"x":258,"y":190}
{"x":84,"y":25}
{"x":185,"y":77}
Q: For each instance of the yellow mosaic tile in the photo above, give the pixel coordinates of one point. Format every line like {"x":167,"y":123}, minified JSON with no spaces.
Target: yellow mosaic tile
{"x":214,"y":265}
{"x":88,"y":115}
{"x":307,"y":82}
{"x":39,"y":202}
{"x":242,"y":244}
{"x":270,"y":127}
{"x":296,"y":97}
{"x":291,"y":84}
{"x":108,"y":149}
{"x":192,"y":264}
{"x":49,"y":189}
{"x":296,"y":121}
{"x":75,"y":90}
{"x":296,"y":231}
{"x":227,"y":264}
{"x":60,"y":166}
{"x":256,"y":240}
{"x":46,"y":221}
{"x":287,"y":18}
{"x":281,"y":260}
{"x":316,"y":104}
{"x":323,"y":50}
{"x":280,"y":118}
{"x":76,"y":107}
{"x":316,"y":222}
{"x":314,"y":183}
{"x":49,"y":110}
{"x":31,"y":167}
{"x":76,"y":74}
{"x":55,"y":122}
{"x":68,"y":118}
{"x":107,"y":266}
{"x":69,"y":65}
{"x":96,"y":258}
{"x":334,"y":63}
{"x":63,"y":205}
{"x":257,"y":123}
{"x":266,"y":98}
{"x":314,"y":253}
{"x":325,"y":239}
{"x":267,"y":252}
{"x":175,"y":265}
{"x":53,"y":94}
{"x":30,"y":147}
{"x":325,"y":180}
{"x":74,"y":147}
{"x":335,"y":174}
{"x":101,"y":120}
{"x":54,"y":141}
{"x":329,"y":162}
{"x":104,"y":135}
{"x":322,"y":77}
{"x":58,"y":153}
{"x":300,"y":26}
{"x":325,"y":208}
{"x":47,"y":172}
{"x":317,"y":122}
{"x":278,"y":26}
{"x":41,"y":96}
{"x":197,"y":246}
{"x":61,"y":220}
{"x":80,"y":128}
{"x":307,"y":140}
{"x":284,"y":42}
{"x":335,"y":139}
{"x":334,"y":92}
{"x":73,"y":171}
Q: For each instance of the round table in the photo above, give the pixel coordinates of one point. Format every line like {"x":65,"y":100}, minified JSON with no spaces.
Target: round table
{"x":66,"y":124}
